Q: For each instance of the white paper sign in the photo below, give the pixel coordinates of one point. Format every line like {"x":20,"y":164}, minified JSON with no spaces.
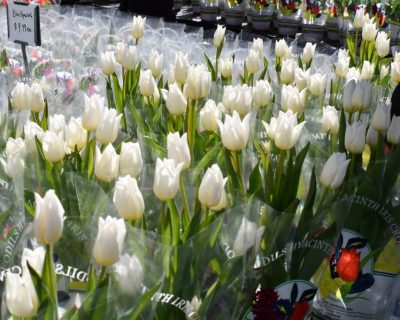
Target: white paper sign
{"x":23,"y":23}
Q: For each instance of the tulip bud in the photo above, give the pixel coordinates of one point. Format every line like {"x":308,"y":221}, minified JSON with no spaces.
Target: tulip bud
{"x":372,"y":137}
{"x":223,"y":203}
{"x":175,"y":100}
{"x":393,"y":134}
{"x":281,"y":48}
{"x":348,"y":265}
{"x":317,"y":84}
{"x":330,"y":120}
{"x":243,"y":100}
{"x":384,"y":72}
{"x":342,"y":65}
{"x":382,"y":44}
{"x":128,"y":199}
{"x":93,"y":111}
{"x":209,"y":115}
{"x":287,"y":71}
{"x":212,"y":187}
{"x":258,"y":46}
{"x":381,"y":117}
{"x":110,"y":122}
{"x":367,"y":71}
{"x":147,"y":85}
{"x":334,"y":170}
{"x":106,"y":164}
{"x":308,"y":53}
{"x":129,"y":273}
{"x":395,"y":72}
{"x":253,"y":62}
{"x":271,"y":128}
{"x":178,"y":149}
{"x":15,"y":146}
{"x":192,"y":309}
{"x":359,"y":19}
{"x":357,"y":95}
{"x":138,"y":27}
{"x":234,"y":132}
{"x":75,"y":134}
{"x":53,"y":146}
{"x":301,"y":78}
{"x":32,"y":130}
{"x":198,"y":82}
{"x":229,"y":97}
{"x":181,"y":68}
{"x":57,"y":124}
{"x":20,"y":96}
{"x":14,"y":166}
{"x":369,"y":31}
{"x":166,"y":179}
{"x":287,"y":130}
{"x":109,"y":241}
{"x":355,"y":137}
{"x":353,"y":73}
{"x":126,"y":56}
{"x":22,"y":299}
{"x":248,"y":236}
{"x":49,"y":218}
{"x":261,"y":93}
{"x":107,"y":63}
{"x":35,"y":258}
{"x":36,"y":100}
{"x":219,"y":36}
{"x":292,"y":99}
{"x":155,"y":63}
{"x":226,"y":67}
{"x":130,"y":161}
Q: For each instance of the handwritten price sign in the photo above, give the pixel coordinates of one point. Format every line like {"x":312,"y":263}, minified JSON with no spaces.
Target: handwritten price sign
{"x":23,"y":23}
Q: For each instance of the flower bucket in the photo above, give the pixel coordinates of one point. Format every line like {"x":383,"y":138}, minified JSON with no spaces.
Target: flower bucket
{"x":261,"y":19}
{"x":288,"y":26}
{"x":234,"y":16}
{"x":332,"y":28}
{"x":196,"y":6}
{"x":314,"y":30}
{"x":221,"y":8}
{"x":347,"y":28}
{"x":394,"y":28}
{"x":275,"y":18}
{"x":209,"y":10}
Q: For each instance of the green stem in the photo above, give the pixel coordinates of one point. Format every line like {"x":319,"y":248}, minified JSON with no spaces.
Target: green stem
{"x":352,"y":166}
{"x":185,"y":216}
{"x":278,"y":176}
{"x":206,"y":214}
{"x":102,"y":273}
{"x":216,"y":69}
{"x":162,"y":220}
{"x":191,"y":125}
{"x":237,"y":166}
{"x":136,"y":41}
{"x":50,"y":276}
{"x":87,"y":151}
{"x":322,"y":199}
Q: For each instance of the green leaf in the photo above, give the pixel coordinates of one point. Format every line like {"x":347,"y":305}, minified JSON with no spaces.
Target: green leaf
{"x":209,"y":157}
{"x":193,"y":227}
{"x":264,"y":72}
{"x":70,"y":314}
{"x":143,"y":301}
{"x":92,"y":279}
{"x":210,"y":68}
{"x":49,"y":280}
{"x":255,"y":182}
{"x":150,"y":142}
{"x":175,"y":221}
{"x":118,"y":96}
{"x":342,"y":131}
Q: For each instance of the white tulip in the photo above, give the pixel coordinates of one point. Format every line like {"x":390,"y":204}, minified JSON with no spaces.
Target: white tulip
{"x":130,"y":160}
{"x":270,"y":128}
{"x":243,"y":100}
{"x":369,"y":31}
{"x":178,"y":149}
{"x":359,"y":18}
{"x":155,"y":63}
{"x":281,"y":48}
{"x":166,"y":179}
{"x":128,"y":199}
{"x":212,"y":187}
{"x":334,"y":170}
{"x":129,"y":273}
{"x":106,"y":164}
{"x":395,"y":72}
{"x":253,"y":62}
{"x":354,"y":140}
{"x":353,"y":73}
{"x":287,"y":71}
{"x":330,"y":120}
{"x":75,"y":134}
{"x":301,"y":78}
{"x":381,"y":118}
{"x":198,"y":82}
{"x":293,"y":99}
{"x":16,"y":146}
{"x":53,"y":146}
{"x":192,"y":308}
{"x":109,"y":241}
{"x":393,"y":133}
{"x":21,"y":297}
{"x":32,"y":130}
{"x":372,"y":137}
{"x":36,"y":99}
{"x":308,"y":53}
{"x":181,"y":68}
{"x":20,"y":96}
{"x":93,"y":111}
{"x":108,"y":63}
{"x":384,"y":72}
{"x":147,"y":85}
{"x":229,"y":97}
{"x":234,"y":132}
{"x":14,"y":165}
{"x":219,"y":36}
{"x":367,"y":71}
{"x":120,"y":52}
{"x":357,"y":95}
{"x":175,"y":101}
{"x":49,"y":218}
{"x":396,"y":57}
{"x":223,"y":203}
{"x":109,"y":125}
{"x":317,"y":84}
{"x":287,"y":131}
{"x":35,"y":258}
{"x":382,"y":44}
{"x":138,"y":27}
{"x":226,"y":67}
{"x":209,"y":115}
{"x":57,"y":124}
{"x":258,"y":45}
{"x":342,"y":65}
{"x":126,"y":56}
{"x":248,"y":236}
{"x":261,"y":93}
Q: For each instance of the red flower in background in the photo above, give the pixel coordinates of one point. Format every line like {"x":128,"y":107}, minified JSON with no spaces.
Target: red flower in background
{"x":264,"y":305}
{"x":334,"y":10}
{"x":3,"y":2}
{"x":348,"y":266}
{"x":292,"y":6}
{"x":300,"y":310}
{"x":315,"y":10}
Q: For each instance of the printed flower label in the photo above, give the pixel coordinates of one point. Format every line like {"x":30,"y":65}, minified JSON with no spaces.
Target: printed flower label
{"x":352,"y":286}
{"x":288,"y":301}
